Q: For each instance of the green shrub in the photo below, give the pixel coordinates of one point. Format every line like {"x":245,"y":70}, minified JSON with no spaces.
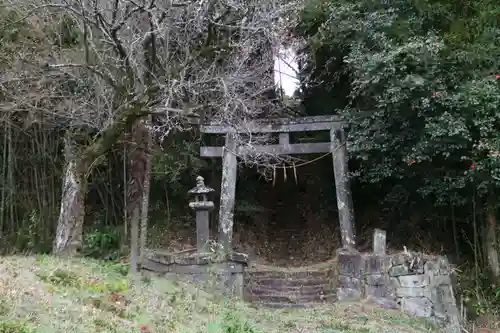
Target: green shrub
{"x":14,"y":326}
{"x":233,"y":323}
{"x":480,"y":292}
{"x":60,"y":277}
{"x":4,"y":307}
{"x":102,"y":244}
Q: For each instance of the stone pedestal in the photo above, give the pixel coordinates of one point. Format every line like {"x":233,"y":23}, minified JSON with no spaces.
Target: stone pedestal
{"x":221,"y":274}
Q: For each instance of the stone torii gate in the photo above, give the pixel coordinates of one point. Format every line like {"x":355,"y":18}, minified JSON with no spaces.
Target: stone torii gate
{"x":283,"y":126}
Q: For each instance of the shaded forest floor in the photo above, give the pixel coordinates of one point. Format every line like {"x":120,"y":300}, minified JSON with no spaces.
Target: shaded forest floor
{"x":292,"y":245}
{"x":45,"y":294}
{"x":285,"y":247}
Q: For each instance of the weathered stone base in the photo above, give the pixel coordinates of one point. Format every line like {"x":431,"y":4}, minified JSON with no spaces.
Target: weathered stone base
{"x":222,"y":274}
{"x":417,"y":284}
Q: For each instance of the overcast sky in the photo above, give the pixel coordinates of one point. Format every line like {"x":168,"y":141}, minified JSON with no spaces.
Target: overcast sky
{"x":285,"y":71}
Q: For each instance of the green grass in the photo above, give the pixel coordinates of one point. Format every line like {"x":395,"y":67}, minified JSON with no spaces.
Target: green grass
{"x":50,"y":295}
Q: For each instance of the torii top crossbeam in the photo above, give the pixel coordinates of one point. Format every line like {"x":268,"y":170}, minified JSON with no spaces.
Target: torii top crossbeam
{"x":303,"y":124}
{"x":280,"y":125}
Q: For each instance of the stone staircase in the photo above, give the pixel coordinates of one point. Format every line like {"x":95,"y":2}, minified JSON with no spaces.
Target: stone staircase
{"x":290,"y":288}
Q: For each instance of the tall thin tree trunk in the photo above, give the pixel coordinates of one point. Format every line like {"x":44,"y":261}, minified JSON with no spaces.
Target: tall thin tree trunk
{"x":139,"y":158}
{"x":455,"y":234}
{"x":3,"y":199}
{"x":145,"y":193}
{"x":124,"y":244}
{"x":491,"y":238}
{"x":69,"y":233}
{"x":135,"y":216}
{"x":138,"y":161}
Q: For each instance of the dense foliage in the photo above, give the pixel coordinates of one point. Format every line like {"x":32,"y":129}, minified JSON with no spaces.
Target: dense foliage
{"x":420,"y":82}
{"x":424,"y":76}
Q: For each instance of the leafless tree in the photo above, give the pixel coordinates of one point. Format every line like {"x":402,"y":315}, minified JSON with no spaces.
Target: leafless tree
{"x":132,"y":59}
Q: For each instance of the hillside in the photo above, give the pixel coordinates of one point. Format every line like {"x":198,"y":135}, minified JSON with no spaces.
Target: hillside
{"x":45,"y":294}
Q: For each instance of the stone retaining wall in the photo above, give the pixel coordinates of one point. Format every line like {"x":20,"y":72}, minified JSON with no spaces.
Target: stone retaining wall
{"x":417,"y":284}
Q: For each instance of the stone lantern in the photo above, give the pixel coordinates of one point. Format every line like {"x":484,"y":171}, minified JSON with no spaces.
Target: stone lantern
{"x":202,"y":207}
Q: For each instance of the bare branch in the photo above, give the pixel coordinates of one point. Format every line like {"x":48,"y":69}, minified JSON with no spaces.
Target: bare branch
{"x":211,"y":59}
{"x":93,"y":69}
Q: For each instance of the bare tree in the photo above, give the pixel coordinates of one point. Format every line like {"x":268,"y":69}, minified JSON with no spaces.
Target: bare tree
{"x":137,"y":58}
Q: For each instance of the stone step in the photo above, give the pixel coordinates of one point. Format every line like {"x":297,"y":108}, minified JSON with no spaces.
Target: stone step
{"x":304,"y":290}
{"x":289,"y":274}
{"x":275,"y":305}
{"x":288,"y":282}
{"x":288,"y":279}
{"x":291,"y":299}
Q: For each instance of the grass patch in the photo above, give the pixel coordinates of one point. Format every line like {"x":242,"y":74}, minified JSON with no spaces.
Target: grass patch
{"x":44,"y":294}
{"x":15,"y":326}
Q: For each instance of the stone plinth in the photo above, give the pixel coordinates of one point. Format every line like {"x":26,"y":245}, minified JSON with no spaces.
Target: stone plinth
{"x":223,"y":273}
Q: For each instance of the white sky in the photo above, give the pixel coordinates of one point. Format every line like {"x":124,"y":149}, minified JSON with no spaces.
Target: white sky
{"x":285,"y":71}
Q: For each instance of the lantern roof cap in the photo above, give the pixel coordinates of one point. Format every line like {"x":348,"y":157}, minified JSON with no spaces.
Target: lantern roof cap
{"x":200,"y":187}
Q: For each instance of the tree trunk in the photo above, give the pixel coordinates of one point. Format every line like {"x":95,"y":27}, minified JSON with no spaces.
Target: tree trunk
{"x":491,"y":240}
{"x":69,"y":233}
{"x":145,"y":195}
{"x":79,"y":163}
{"x":135,"y":216}
{"x":138,"y":163}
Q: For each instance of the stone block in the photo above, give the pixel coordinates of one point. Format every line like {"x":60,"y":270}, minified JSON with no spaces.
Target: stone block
{"x":455,"y":328}
{"x":438,"y":266}
{"x":417,"y":306}
{"x":376,"y":279}
{"x":394,"y":282}
{"x":442,"y":294}
{"x":385,"y":303}
{"x":444,"y":266}
{"x":398,"y":259}
{"x":379,"y":241}
{"x":444,"y":302}
{"x":419,"y":280}
{"x":437,"y":320}
{"x":441,"y":280}
{"x":350,"y":282}
{"x":350,"y":264}
{"x":399,"y":270}
{"x":376,"y":264}
{"x":380,"y":291}
{"x":443,"y":310}
{"x":348,"y":294}
{"x":412,"y":292}
{"x":431,"y":266}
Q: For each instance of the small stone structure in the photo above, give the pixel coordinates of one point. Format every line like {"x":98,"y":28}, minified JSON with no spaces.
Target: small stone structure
{"x":206,"y":264}
{"x":418,"y":284}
